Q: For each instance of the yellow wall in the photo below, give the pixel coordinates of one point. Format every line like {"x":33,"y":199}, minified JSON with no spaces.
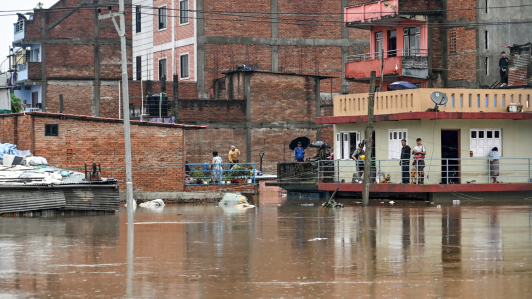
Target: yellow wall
{"x":418,"y":100}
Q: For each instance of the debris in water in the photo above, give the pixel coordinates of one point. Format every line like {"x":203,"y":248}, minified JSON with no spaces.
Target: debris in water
{"x":331,"y":203}
{"x":317,"y":239}
{"x":156,"y":203}
{"x":392,"y":202}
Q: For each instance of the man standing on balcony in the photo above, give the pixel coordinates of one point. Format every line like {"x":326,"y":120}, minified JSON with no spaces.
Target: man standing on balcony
{"x":503,"y":65}
{"x":419,"y":153}
{"x":405,"y":161}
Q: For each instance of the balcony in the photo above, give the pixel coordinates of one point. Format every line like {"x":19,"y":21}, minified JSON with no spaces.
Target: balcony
{"x":412,"y":63}
{"x":29,"y":71}
{"x":19,"y":28}
{"x":390,"y":12}
{"x":418,"y":100}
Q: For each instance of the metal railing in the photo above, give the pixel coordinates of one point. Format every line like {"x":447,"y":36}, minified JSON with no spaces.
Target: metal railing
{"x":220,"y":174}
{"x":388,"y":54}
{"x":434,"y":171}
{"x":18,"y":26}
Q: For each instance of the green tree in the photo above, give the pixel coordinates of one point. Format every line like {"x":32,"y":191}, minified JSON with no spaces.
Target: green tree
{"x":40,"y":5}
{"x":16,"y":103}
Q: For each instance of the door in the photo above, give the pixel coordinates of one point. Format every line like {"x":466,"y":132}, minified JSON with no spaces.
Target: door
{"x":34,"y":99}
{"x":394,"y":142}
{"x":450,"y":153}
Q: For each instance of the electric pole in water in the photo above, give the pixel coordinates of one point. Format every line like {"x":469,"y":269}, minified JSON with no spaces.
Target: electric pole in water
{"x":125,"y":90}
{"x":369,"y":140}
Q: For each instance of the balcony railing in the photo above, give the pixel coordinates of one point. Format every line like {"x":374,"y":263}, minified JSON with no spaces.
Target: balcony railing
{"x":435,"y":171}
{"x":19,"y":27}
{"x":388,"y":54}
{"x":418,"y":100}
{"x":220,"y":174}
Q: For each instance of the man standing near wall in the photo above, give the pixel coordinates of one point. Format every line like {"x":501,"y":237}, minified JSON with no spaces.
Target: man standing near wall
{"x":299,"y":153}
{"x":503,"y":65}
{"x":405,"y":161}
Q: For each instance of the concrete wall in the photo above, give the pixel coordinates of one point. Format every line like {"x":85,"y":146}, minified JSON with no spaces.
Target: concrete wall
{"x":515,"y":144}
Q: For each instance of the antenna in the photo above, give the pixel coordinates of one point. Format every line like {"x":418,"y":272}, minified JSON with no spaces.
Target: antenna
{"x":439,"y":98}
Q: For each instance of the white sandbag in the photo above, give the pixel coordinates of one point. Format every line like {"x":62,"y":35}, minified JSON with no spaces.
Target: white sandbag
{"x":232,"y":199}
{"x":36,"y":161}
{"x":156,"y":203}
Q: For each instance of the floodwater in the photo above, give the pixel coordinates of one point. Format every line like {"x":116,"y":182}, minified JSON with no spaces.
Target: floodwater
{"x":278,"y":250}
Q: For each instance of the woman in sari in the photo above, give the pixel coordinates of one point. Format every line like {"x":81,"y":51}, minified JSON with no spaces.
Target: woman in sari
{"x":494,"y":164}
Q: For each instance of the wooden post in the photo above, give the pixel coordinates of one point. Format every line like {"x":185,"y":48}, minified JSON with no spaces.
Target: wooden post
{"x":368,"y":141}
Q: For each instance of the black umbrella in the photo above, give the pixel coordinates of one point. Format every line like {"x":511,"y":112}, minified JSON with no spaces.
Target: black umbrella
{"x":305,"y":142}
{"x":318,"y":144}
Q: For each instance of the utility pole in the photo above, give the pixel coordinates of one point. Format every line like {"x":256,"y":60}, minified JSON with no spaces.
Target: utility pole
{"x":369,"y":141}
{"x":125,"y":90}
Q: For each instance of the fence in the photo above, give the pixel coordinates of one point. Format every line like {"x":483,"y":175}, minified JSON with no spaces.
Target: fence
{"x":435,"y":171}
{"x":219,"y":174}
{"x":387,"y":54}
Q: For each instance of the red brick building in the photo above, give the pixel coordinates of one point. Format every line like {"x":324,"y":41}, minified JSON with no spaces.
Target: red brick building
{"x":198,"y":40}
{"x":435,"y":43}
{"x":158,"y":150}
{"x":72,"y":55}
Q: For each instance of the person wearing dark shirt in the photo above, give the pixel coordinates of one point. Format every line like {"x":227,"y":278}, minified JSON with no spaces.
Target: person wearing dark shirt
{"x":503,"y":65}
{"x":405,"y":161}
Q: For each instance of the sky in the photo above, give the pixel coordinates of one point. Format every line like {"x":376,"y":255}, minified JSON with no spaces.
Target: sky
{"x":7,"y":19}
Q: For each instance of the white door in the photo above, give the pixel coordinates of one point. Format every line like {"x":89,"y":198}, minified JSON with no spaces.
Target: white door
{"x":394,"y":142}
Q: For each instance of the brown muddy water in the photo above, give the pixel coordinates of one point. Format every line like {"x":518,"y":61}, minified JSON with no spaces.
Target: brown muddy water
{"x":411,"y":250}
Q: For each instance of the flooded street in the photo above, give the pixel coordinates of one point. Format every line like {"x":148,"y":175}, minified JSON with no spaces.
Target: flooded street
{"x":412,"y":250}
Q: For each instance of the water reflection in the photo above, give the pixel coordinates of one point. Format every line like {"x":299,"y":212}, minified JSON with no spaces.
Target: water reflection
{"x":203,"y":251}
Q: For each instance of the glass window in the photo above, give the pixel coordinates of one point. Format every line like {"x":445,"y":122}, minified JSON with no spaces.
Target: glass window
{"x":490,"y":134}
{"x":183,"y":12}
{"x":51,"y":130}
{"x":162,"y":17}
{"x":162,"y":69}
{"x":184,"y":66}
{"x":137,"y":18}
{"x":473,"y":134}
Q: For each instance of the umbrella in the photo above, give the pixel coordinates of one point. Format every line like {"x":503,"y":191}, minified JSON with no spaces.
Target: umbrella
{"x":305,"y":142}
{"x":401,"y":85}
{"x":318,"y":144}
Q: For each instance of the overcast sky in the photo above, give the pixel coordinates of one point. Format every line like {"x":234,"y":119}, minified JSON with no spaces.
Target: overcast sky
{"x":7,"y":21}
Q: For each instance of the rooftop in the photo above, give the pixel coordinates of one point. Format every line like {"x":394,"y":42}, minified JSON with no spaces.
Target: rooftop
{"x":103,"y":119}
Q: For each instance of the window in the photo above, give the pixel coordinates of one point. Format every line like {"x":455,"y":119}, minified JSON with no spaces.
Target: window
{"x":486,"y":64}
{"x":162,"y":69}
{"x":486,"y":6}
{"x":378,"y":44}
{"x":51,"y":130}
{"x":412,"y":41}
{"x":139,"y":68}
{"x":452,"y":40}
{"x":183,"y":12}
{"x":137,"y":18}
{"x":392,"y":43}
{"x":483,"y":140}
{"x":346,"y":143}
{"x":37,"y":55}
{"x":183,"y":60}
{"x":394,"y":142}
{"x":486,"y":39}
{"x":162,"y":17}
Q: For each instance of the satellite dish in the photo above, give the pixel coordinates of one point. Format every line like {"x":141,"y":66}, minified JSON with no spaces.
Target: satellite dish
{"x":439,"y":98}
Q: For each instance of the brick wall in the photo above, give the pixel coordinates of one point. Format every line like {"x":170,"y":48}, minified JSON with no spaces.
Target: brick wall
{"x":220,"y":188}
{"x":212,"y":110}
{"x":157,"y":151}
{"x":462,"y":9}
{"x":248,"y":24}
{"x":77,"y":99}
{"x":462,"y":59}
{"x":282,"y":98}
{"x":319,"y":25}
{"x":420,"y":5}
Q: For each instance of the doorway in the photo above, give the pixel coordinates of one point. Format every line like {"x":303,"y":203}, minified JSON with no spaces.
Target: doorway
{"x":450,"y":154}
{"x":34,"y":99}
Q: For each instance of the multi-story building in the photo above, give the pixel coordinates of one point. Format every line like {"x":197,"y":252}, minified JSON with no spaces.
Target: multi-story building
{"x":452,"y":43}
{"x":71,"y":55}
{"x":198,"y":40}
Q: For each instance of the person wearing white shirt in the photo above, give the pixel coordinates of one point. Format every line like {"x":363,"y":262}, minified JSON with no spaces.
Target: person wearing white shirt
{"x":419,"y":153}
{"x":494,"y":164}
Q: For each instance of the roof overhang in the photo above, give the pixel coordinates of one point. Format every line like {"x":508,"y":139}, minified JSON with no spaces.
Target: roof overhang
{"x":425,"y":115}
